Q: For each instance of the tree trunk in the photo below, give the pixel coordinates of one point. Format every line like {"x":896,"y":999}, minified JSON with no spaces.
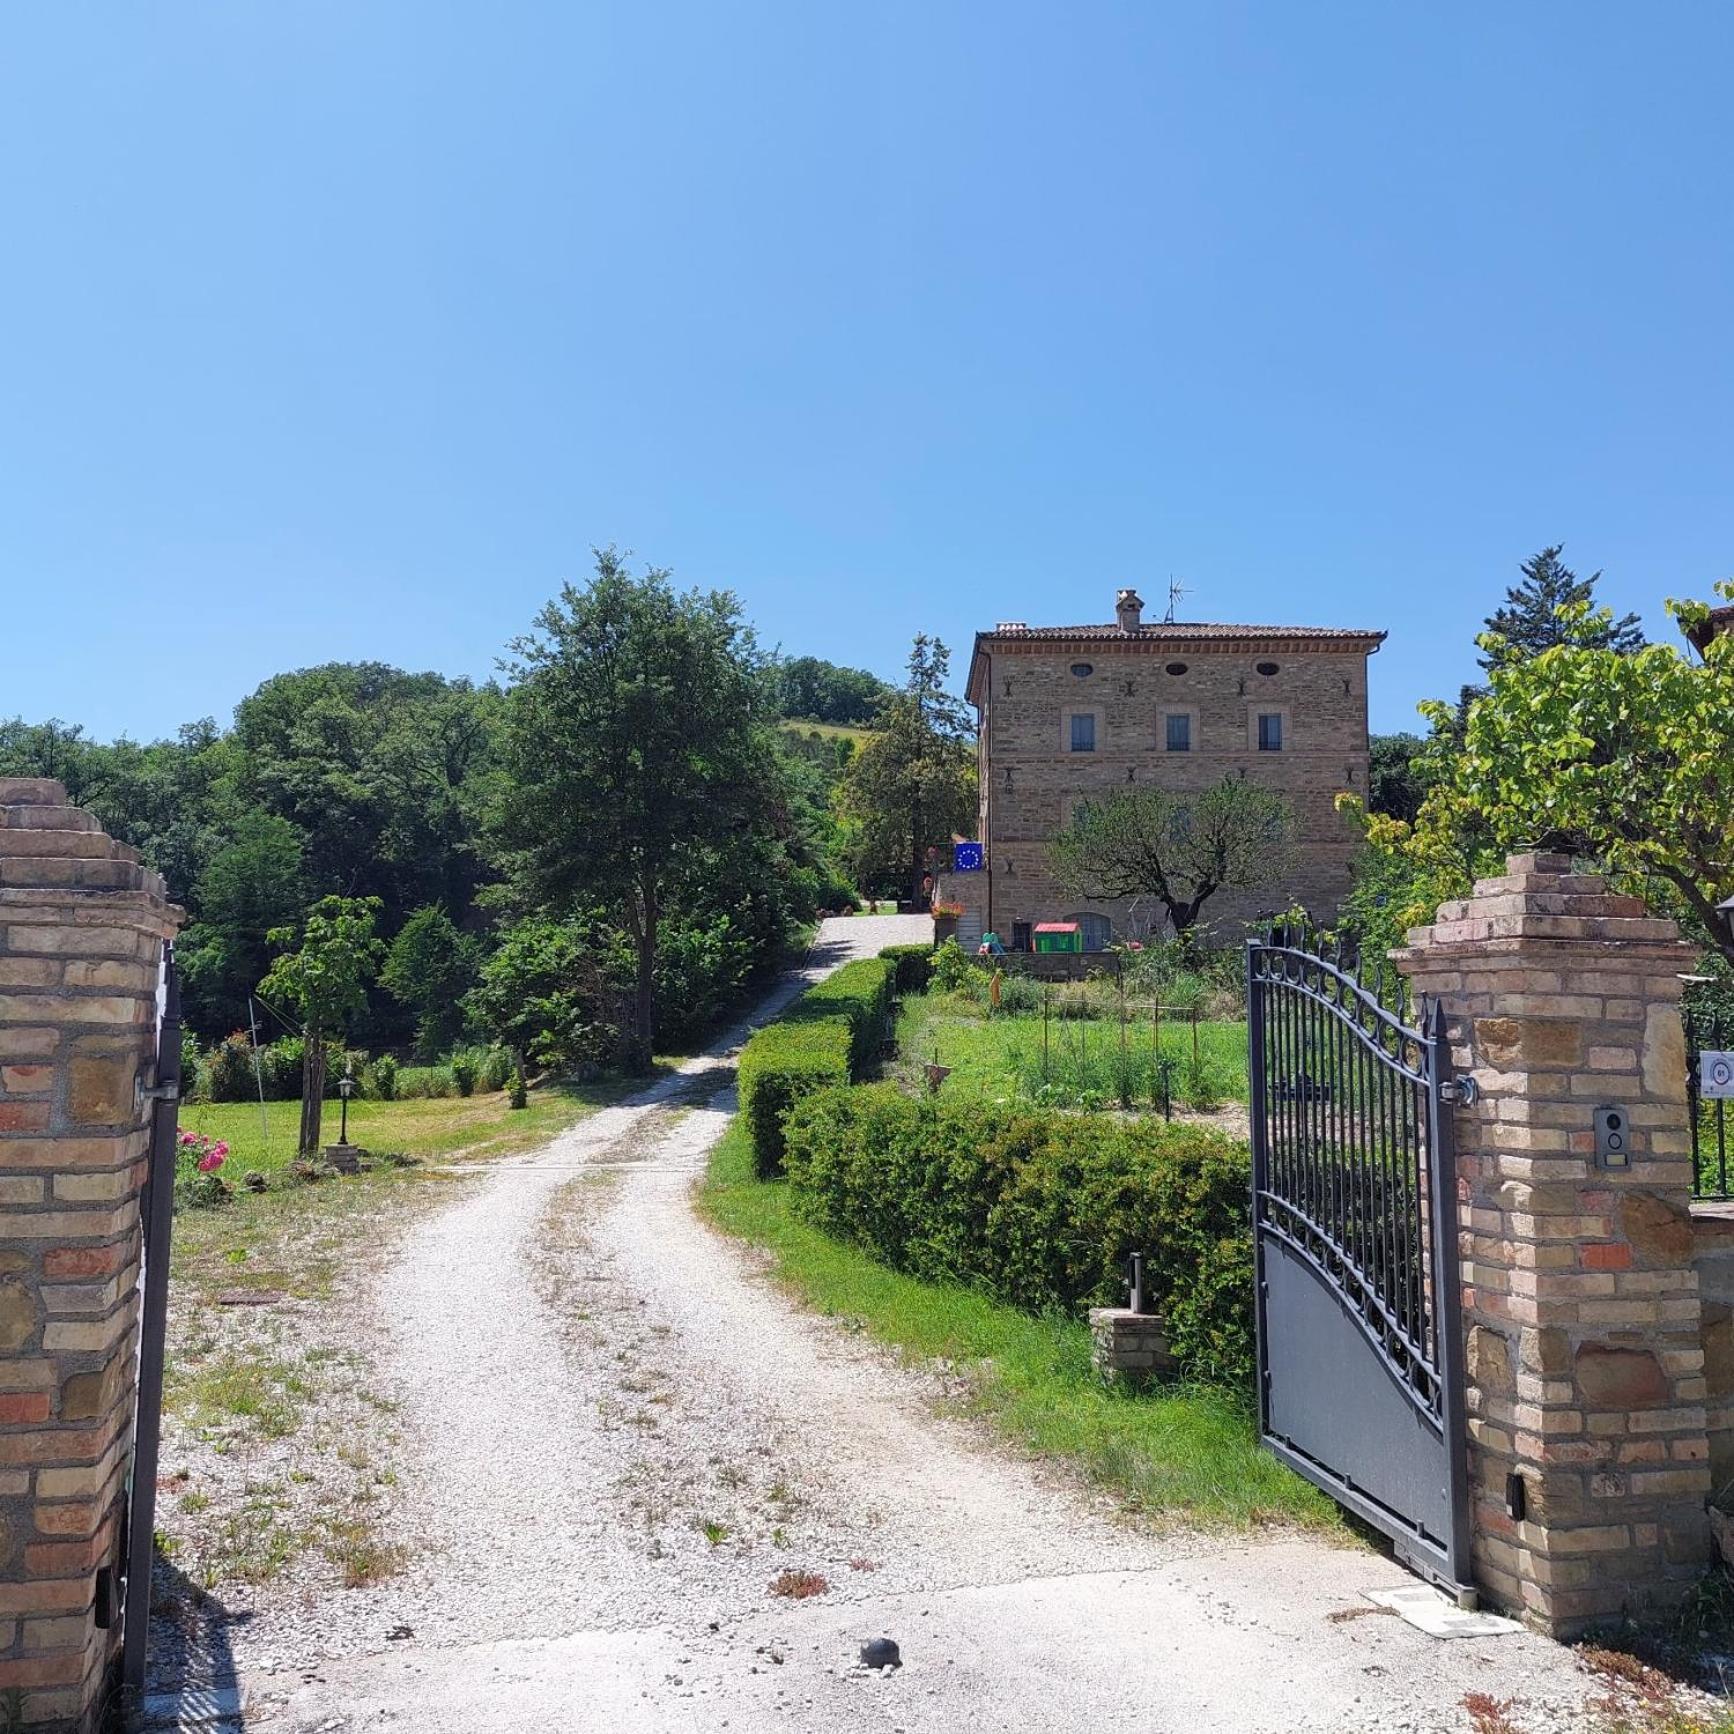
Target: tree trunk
{"x":916,"y":867}
{"x":644,"y":997}
{"x":312,"y":1090}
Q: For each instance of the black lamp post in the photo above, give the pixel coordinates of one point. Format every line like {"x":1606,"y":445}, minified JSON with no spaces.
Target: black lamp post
{"x":1725,"y":909}
{"x":346,"y":1089}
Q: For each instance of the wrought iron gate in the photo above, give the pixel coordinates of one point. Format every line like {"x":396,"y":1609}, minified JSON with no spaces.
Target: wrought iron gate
{"x":1355,"y":1231}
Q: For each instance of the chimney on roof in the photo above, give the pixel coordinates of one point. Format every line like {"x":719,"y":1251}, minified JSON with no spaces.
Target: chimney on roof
{"x":1129,"y":610}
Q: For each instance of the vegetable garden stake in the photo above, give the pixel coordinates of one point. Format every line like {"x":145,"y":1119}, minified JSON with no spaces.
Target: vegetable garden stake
{"x":1047,"y":1008}
{"x":1155,"y":1049}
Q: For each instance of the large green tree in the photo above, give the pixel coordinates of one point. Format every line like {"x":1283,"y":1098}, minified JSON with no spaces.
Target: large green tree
{"x":912,"y":787}
{"x":1180,"y":849}
{"x":428,"y":970}
{"x":1551,"y":606}
{"x":636,"y":739}
{"x":813,"y":690}
{"x":1617,"y":755}
{"x":324,"y":977}
{"x":252,"y":885}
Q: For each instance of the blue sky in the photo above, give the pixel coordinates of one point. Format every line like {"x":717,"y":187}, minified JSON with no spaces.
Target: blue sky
{"x":343,"y":330}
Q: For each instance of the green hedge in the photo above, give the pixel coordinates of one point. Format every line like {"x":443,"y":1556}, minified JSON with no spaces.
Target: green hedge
{"x":912,"y":967}
{"x":828,"y":1036}
{"x":1038,"y":1207}
{"x":860,"y":992}
{"x":782,"y":1063}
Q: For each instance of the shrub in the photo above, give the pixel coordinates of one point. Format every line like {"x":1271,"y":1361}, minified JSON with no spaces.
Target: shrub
{"x":496,"y":1069}
{"x":464,"y":1072}
{"x":1019,"y":994}
{"x":859,"y":992}
{"x":416,"y":1083}
{"x":782,"y":1063}
{"x":1038,"y":1207}
{"x":520,"y":1090}
{"x":280,"y":1069}
{"x":912,"y":967}
{"x":382,"y":1082}
{"x":192,"y":1082}
{"x":228,"y":1069}
{"x":954,"y":970}
{"x":197,"y":1159}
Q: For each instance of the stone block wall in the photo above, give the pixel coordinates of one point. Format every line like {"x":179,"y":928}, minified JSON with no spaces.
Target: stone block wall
{"x":1589,"y":1445}
{"x":1713,"y":1258}
{"x":81,"y":931}
{"x":1026,"y":689}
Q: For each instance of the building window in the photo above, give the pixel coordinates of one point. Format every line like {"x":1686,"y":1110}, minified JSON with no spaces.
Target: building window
{"x":1265,"y":668}
{"x":1177,"y":729}
{"x":1083,"y":735}
{"x":1083,"y":669}
{"x":1270,"y":732}
{"x":1176,"y":668}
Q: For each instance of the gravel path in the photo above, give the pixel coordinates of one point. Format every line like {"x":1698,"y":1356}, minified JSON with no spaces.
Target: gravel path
{"x":617,"y":1433}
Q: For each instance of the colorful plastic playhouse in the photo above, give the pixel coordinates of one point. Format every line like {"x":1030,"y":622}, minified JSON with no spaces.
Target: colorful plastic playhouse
{"x":1059,"y":936}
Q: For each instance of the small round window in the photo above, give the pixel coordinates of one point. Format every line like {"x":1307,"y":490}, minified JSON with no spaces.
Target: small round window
{"x":1177,"y":668}
{"x":1265,"y":667}
{"x":1080,"y":669}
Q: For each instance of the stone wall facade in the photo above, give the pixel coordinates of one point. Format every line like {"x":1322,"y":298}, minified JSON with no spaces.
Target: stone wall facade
{"x":1027,"y":686}
{"x":82,"y":926}
{"x":1589,"y":1449}
{"x":1713,"y":1258}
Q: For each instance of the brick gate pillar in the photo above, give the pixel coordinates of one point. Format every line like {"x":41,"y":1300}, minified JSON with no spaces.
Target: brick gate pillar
{"x":1589,"y":1463}
{"x":81,"y":932}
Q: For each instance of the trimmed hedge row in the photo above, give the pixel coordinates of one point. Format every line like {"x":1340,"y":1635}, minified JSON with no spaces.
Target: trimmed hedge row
{"x":1038,"y":1207}
{"x":830,"y":1035}
{"x":781,"y":1063}
{"x":861,"y":994}
{"x":912,"y":966}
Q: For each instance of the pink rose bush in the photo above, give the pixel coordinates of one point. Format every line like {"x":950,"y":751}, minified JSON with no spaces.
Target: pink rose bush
{"x":196,"y":1163}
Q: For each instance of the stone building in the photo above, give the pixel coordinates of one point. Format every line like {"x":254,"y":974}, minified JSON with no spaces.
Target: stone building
{"x":1070,"y":712}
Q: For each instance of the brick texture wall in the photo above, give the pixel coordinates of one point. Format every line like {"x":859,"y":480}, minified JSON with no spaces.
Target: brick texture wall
{"x":81,"y":932}
{"x":1030,"y":781}
{"x":1580,"y":1295}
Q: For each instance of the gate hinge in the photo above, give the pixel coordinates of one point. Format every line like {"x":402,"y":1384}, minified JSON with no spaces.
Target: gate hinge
{"x":1462,"y":1091}
{"x":143,"y":1092}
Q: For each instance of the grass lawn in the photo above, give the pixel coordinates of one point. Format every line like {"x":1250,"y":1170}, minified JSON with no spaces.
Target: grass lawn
{"x":1184,"y":1453}
{"x":1002,"y":1057}
{"x":477,"y":1127}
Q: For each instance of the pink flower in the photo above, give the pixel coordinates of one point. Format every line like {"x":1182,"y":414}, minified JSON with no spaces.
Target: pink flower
{"x":211,"y":1160}
{"x":219,"y":1150}
{"x":189,"y":1138}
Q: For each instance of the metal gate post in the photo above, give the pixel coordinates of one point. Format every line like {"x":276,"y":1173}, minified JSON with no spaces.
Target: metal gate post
{"x":1448,"y":1287}
{"x":159,"y":1216}
{"x":1260,"y":1156}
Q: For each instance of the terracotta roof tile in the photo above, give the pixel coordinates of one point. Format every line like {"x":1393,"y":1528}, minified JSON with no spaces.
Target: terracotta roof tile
{"x":1181,"y":629}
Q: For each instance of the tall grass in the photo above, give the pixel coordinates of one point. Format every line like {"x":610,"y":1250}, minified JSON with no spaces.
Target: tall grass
{"x":1061,"y":1057}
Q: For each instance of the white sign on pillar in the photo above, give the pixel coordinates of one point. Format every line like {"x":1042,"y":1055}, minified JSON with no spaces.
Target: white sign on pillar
{"x":1716,"y":1074}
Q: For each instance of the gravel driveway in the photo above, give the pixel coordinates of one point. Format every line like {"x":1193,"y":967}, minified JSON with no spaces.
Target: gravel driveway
{"x":616,"y":1432}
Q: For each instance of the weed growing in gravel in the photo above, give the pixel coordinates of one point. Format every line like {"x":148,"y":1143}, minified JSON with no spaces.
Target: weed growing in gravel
{"x":713,"y":1532}
{"x":798,"y":1585}
{"x":364,"y":1560}
{"x":237,"y":1395}
{"x":1489,"y":1715}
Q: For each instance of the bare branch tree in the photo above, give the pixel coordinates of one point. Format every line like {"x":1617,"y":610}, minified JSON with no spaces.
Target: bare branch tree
{"x":1180,"y":849}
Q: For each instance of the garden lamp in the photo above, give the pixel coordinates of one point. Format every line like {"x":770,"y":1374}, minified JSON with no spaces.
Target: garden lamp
{"x":1726,"y":910}
{"x":346,"y":1089}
